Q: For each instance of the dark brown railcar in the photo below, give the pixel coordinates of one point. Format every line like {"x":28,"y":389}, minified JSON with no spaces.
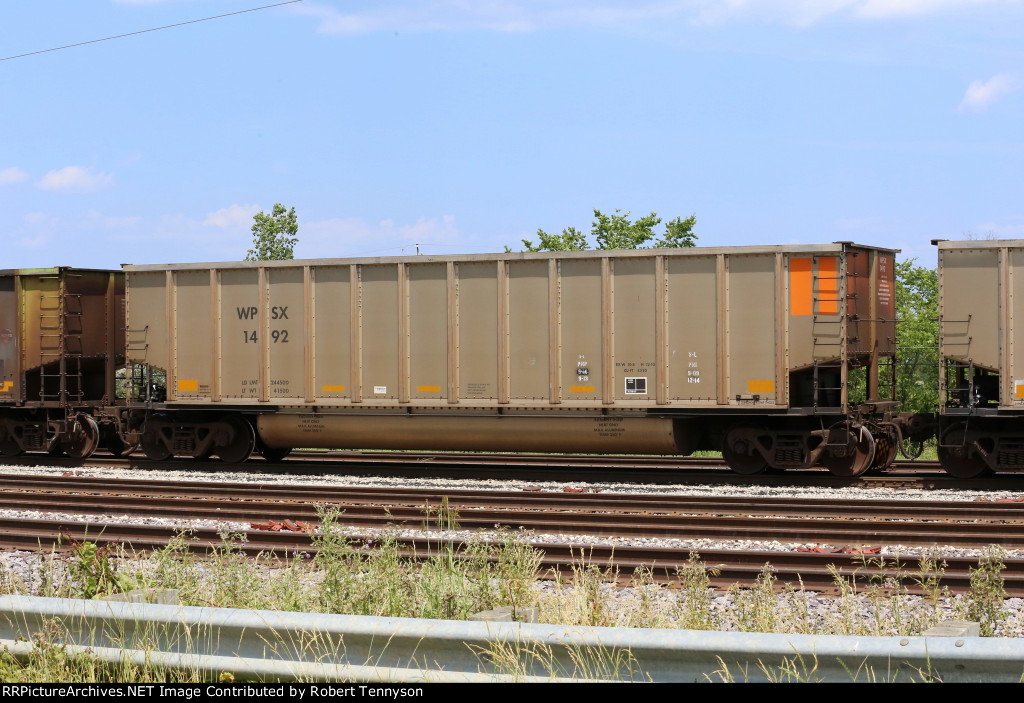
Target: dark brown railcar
{"x":61,"y":344}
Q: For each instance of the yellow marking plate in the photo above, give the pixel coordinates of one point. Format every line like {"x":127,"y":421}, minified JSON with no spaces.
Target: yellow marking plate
{"x":760,"y":386}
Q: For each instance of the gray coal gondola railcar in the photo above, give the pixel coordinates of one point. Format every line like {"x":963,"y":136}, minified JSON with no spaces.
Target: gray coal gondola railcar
{"x":779,"y":356}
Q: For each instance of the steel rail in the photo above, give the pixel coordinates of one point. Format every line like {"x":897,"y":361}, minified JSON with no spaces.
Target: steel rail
{"x":810,"y":569}
{"x":17,"y":488}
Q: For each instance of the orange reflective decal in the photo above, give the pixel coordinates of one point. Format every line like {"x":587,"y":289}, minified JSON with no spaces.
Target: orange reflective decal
{"x":801,"y":287}
{"x":189,"y":384}
{"x":581,"y":389}
{"x":428,"y":389}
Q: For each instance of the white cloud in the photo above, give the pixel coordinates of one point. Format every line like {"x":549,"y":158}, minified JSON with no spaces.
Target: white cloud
{"x":882,"y":9}
{"x":11,"y":175}
{"x":232,"y":216}
{"x":980,"y":95}
{"x":75,"y":178}
{"x":533,"y":15}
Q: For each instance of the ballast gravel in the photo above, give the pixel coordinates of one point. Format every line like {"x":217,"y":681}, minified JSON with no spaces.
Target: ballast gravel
{"x":27,"y":568}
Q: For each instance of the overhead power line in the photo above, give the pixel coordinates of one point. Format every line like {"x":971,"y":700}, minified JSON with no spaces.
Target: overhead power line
{"x":154,"y":29}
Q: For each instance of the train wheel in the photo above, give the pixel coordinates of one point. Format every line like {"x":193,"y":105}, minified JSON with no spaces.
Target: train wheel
{"x":153,"y":446}
{"x":82,"y":439}
{"x":740,"y":452}
{"x":240,"y":443}
{"x":9,"y":445}
{"x":850,"y":452}
{"x":958,"y":457}
{"x":885,"y":453}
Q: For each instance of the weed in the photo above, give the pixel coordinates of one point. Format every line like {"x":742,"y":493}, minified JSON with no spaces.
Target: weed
{"x":755,"y":607}
{"x":985,"y":601}
{"x":94,"y":573}
{"x":693,"y":607}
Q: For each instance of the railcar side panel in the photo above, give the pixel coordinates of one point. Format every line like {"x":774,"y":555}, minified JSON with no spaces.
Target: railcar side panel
{"x":751,"y":331}
{"x":378,"y":319}
{"x":427,"y":319}
{"x":532,"y":333}
{"x":693,"y":335}
{"x":331,"y":327}
{"x":476,"y":334}
{"x":242,"y":314}
{"x":584,"y":321}
{"x":970,"y":306}
{"x":283,"y":340}
{"x":193,"y":328}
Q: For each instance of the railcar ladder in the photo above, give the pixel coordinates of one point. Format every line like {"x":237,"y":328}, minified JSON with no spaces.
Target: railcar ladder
{"x":60,"y":347}
{"x":825,"y":336}
{"x":137,"y":372}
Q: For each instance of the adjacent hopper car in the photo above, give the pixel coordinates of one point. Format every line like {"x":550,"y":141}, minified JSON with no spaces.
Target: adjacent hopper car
{"x":61,"y":345}
{"x":778,"y":356}
{"x":981,"y":337}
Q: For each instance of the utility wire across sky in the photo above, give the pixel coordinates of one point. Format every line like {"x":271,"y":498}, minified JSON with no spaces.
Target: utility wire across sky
{"x":143,"y":31}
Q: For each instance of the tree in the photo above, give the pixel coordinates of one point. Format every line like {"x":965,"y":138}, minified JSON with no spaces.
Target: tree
{"x":274,"y":236}
{"x":616,"y":231}
{"x":917,"y":361}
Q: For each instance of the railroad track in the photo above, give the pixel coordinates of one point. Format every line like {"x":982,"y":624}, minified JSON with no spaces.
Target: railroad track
{"x":540,"y":467}
{"x":846,"y":522}
{"x":826,"y":524}
{"x":812,"y":570}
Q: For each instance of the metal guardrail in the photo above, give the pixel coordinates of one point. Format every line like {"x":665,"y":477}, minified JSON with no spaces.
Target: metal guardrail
{"x":284,"y":646}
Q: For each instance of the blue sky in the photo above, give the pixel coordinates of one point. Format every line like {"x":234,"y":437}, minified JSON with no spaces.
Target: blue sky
{"x":464,"y":126}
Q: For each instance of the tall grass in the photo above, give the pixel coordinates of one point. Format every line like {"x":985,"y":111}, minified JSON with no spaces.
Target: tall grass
{"x":376,"y":577}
